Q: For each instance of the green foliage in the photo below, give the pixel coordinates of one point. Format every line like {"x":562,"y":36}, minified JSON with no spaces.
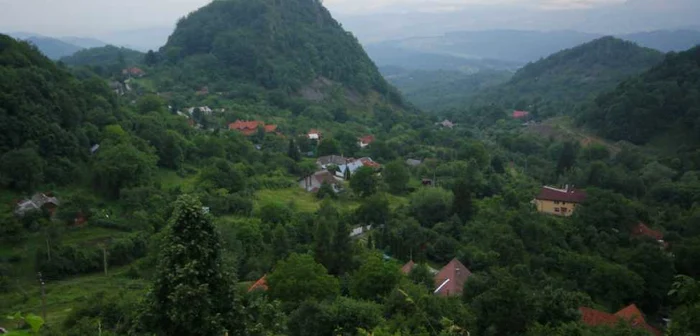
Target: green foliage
{"x":192,"y":292}
{"x":275,"y":45}
{"x":107,"y":60}
{"x":328,"y":146}
{"x":122,"y":165}
{"x":47,"y":117}
{"x":431,"y":205}
{"x":364,"y":182}
{"x":300,"y":278}
{"x":21,"y":169}
{"x":375,"y":278}
{"x":396,"y":176}
{"x":652,"y":103}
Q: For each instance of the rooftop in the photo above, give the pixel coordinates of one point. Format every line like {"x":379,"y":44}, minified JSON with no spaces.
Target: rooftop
{"x":567,"y":194}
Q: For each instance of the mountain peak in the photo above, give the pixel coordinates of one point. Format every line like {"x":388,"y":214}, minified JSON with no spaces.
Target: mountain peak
{"x":279,"y":45}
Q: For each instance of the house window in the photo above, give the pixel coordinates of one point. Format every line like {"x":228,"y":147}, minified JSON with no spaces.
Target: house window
{"x":563,"y":203}
{"x":564,"y":210}
{"x":556,"y":202}
{"x":556,"y":209}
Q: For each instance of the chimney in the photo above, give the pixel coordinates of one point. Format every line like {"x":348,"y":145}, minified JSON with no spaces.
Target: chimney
{"x":457,"y":271}
{"x":567,"y":188}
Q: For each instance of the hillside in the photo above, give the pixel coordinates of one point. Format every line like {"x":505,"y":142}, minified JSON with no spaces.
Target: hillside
{"x":662,"y":101}
{"x":106,"y":56}
{"x":558,"y":83}
{"x":442,"y":89}
{"x":275,"y":46}
{"x":48,"y":118}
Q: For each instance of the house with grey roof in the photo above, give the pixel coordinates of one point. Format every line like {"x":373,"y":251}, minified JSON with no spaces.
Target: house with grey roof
{"x":313,"y":182}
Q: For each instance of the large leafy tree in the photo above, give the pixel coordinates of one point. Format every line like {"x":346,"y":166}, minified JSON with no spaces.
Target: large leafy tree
{"x":375,"y":278}
{"x":300,"y":278}
{"x":21,"y":169}
{"x":192,"y":293}
{"x":396,"y":176}
{"x":122,"y":165}
{"x":364,"y":182}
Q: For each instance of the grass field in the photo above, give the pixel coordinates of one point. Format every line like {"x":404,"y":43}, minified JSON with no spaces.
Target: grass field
{"x":63,"y":296}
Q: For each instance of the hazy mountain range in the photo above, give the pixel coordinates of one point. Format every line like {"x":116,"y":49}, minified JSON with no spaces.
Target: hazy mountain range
{"x":506,"y":49}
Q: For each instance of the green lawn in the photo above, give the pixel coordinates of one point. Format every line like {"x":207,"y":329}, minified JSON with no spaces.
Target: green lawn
{"x":63,"y":296}
{"x":301,"y":199}
{"x":170,"y":179}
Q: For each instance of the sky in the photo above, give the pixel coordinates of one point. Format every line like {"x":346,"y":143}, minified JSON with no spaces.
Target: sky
{"x":369,"y":19}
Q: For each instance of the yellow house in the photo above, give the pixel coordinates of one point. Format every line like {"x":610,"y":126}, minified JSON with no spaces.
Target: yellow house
{"x":560,"y":202}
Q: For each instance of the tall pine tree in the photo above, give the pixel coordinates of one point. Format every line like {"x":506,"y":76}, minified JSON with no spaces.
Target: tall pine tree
{"x":192,"y":294}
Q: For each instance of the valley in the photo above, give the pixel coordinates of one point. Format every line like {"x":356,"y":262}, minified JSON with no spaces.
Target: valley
{"x":263,"y":173}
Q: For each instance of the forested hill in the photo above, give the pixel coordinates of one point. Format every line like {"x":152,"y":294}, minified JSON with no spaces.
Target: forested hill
{"x":275,"y":45}
{"x":105,"y":56}
{"x":663,"y":101}
{"x":555,"y":84}
{"x":48,"y":119}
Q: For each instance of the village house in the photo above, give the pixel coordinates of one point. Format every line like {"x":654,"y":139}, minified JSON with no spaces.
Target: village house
{"x":354,"y":164}
{"x":37,"y":202}
{"x":365,"y":141}
{"x":560,"y":202}
{"x":250,"y":127}
{"x":203,"y":109}
{"x":313,"y":182}
{"x":451,"y":278}
{"x":630,"y":314}
{"x":408,"y":267}
{"x":520,"y":114}
{"x":331,"y":160}
{"x":134,"y":72}
{"x":413,"y":162}
{"x":446,"y":124}
{"x":314,"y":134}
{"x":642,"y":230}
{"x":261,"y":284}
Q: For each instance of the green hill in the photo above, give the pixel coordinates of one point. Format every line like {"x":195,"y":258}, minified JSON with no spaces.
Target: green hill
{"x":558,"y":83}
{"x":106,"y":56}
{"x":48,"y":119}
{"x":274,"y":46}
{"x":661,"y":101}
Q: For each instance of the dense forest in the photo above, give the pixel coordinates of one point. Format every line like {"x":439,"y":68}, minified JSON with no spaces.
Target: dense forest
{"x":662,"y":101}
{"x":556,"y":84}
{"x":105,"y":60}
{"x":281,"y":46}
{"x":155,"y":218}
{"x":438,"y":90}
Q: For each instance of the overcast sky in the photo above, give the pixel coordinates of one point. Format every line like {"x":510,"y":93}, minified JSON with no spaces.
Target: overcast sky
{"x":99,"y":17}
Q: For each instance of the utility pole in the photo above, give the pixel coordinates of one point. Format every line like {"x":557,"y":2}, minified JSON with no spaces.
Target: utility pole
{"x":43,"y":297}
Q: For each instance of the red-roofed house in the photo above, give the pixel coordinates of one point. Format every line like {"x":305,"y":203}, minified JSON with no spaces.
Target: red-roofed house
{"x":642,"y":230}
{"x":366,"y":140}
{"x":630,"y":314}
{"x":561,"y":202}
{"x":368,"y":162}
{"x":134,"y":71}
{"x":451,"y":278}
{"x":408,"y":267}
{"x":261,"y":284}
{"x":314,"y":134}
{"x":250,"y":127}
{"x":520,"y":114}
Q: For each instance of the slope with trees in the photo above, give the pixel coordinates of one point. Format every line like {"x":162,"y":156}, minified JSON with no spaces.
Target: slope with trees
{"x":562,"y":81}
{"x":662,"y":101}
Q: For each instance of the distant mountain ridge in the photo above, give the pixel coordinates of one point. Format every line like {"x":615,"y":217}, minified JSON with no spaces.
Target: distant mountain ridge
{"x":512,"y":45}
